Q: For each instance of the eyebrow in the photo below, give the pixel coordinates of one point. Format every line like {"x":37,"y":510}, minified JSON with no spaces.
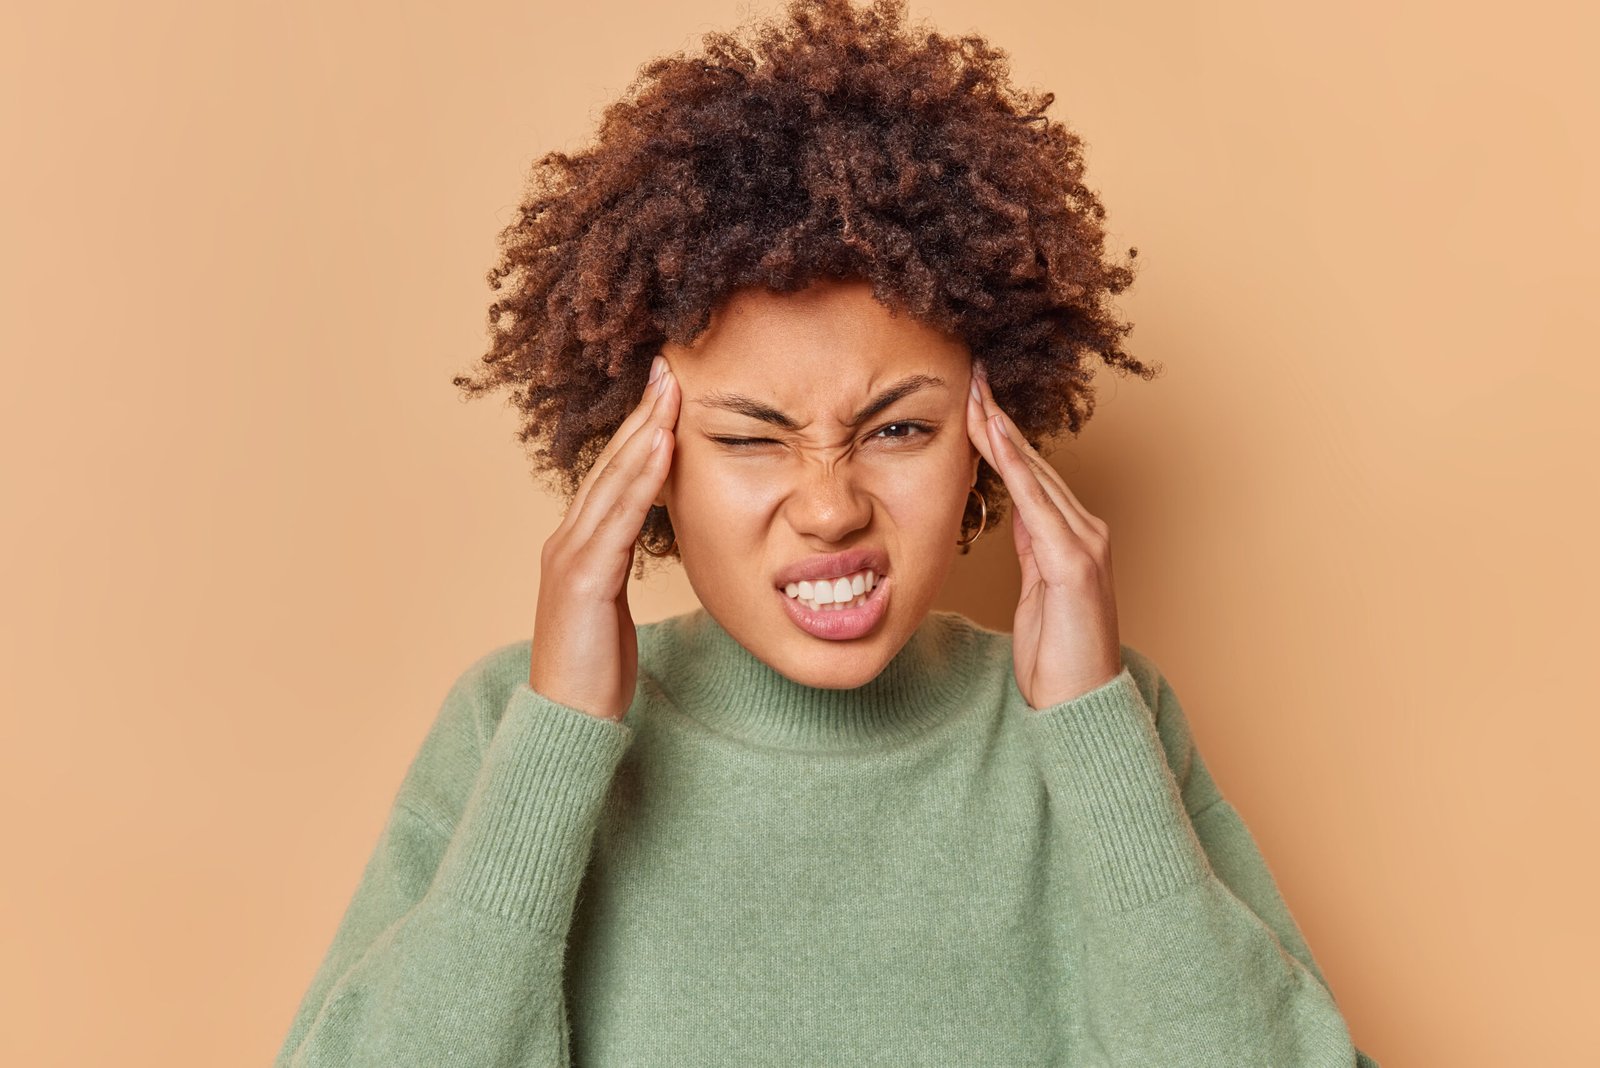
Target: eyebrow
{"x":754,"y":409}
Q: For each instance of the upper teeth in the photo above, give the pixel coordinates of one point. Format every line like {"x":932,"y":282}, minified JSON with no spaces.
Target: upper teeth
{"x":831,"y":591}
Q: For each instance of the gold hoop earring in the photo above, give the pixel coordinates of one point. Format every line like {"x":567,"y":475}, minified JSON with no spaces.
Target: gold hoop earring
{"x":664,"y":552}
{"x":983,"y":517}
{"x":670,"y":545}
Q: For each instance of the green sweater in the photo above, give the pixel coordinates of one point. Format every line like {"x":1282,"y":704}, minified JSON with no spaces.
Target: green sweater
{"x":749,"y":871}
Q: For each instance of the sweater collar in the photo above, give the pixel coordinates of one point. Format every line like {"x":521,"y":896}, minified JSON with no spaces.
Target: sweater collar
{"x":713,"y":679}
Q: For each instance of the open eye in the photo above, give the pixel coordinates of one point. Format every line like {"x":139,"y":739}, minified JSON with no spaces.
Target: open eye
{"x":913,"y":430}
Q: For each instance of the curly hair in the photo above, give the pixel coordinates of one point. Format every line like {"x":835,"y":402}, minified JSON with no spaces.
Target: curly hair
{"x":833,"y":143}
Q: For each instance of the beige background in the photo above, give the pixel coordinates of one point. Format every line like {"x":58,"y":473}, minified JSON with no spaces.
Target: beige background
{"x":251,"y":532}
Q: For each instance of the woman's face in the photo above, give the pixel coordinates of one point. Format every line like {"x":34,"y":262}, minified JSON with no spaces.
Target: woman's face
{"x":786,"y":454}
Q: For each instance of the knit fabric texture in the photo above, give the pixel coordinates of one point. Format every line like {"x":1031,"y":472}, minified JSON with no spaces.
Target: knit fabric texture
{"x":745,"y":870}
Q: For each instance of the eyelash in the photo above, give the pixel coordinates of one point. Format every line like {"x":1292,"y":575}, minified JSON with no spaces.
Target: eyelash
{"x":922,"y":430}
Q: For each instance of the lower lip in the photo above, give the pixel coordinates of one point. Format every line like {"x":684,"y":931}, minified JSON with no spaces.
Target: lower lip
{"x":840,"y":624}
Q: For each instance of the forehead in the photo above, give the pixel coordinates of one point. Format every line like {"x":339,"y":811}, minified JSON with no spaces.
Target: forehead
{"x":833,"y":334}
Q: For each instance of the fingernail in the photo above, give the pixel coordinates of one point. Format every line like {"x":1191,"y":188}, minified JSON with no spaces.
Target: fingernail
{"x":975,"y":394}
{"x":655,"y":367}
{"x":661,"y":379}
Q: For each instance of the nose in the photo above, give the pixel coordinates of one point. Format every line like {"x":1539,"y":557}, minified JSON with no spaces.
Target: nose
{"x":825,"y":503}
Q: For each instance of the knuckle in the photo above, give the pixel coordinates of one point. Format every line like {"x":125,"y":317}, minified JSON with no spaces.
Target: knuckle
{"x":1083,"y":570}
{"x":582,"y":580}
{"x":554,"y":552}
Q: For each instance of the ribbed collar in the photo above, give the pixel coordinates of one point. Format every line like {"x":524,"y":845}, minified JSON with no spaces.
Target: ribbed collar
{"x":711,"y":678}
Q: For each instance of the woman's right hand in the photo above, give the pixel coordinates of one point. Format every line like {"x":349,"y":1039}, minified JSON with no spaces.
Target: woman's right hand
{"x":585,"y":649}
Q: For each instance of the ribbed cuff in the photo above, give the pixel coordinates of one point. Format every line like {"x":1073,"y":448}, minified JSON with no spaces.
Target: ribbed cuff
{"x":1104,"y":765}
{"x":522,"y":844}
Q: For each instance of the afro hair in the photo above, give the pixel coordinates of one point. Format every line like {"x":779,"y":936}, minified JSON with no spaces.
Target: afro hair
{"x":831,"y":143}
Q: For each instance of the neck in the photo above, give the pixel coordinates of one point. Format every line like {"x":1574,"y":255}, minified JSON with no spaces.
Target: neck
{"x":712,"y":678}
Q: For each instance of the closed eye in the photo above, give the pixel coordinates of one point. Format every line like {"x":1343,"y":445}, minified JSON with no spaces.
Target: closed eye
{"x":736,"y":442}
{"x":913,"y":429}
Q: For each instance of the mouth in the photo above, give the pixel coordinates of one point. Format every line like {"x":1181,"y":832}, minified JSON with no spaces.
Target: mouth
{"x":823,"y":610}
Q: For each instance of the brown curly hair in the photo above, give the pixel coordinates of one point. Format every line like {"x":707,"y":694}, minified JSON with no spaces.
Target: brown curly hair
{"x":832,"y":144}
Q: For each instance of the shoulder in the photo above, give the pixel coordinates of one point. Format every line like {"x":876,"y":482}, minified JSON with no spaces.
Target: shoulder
{"x":1154,"y":689}
{"x":1172,"y":727}
{"x":441,"y":774}
{"x":996,"y":646}
{"x":477,"y":696}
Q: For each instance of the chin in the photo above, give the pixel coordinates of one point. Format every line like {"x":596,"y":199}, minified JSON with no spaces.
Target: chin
{"x":773,"y":638}
{"x":828,"y":670}
{"x":832,"y":665}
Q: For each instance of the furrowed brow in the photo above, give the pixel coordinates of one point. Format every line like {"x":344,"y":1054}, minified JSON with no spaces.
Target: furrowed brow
{"x":754,"y":409}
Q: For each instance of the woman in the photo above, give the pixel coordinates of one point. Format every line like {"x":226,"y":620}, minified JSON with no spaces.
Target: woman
{"x":794,"y":321}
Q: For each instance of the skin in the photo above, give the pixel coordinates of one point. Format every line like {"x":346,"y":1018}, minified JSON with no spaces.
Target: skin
{"x":742,"y":512}
{"x":898,"y":482}
{"x":1064,"y":638}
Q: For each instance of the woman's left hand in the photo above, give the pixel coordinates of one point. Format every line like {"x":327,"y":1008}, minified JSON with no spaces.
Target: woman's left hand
{"x":1064,"y":639}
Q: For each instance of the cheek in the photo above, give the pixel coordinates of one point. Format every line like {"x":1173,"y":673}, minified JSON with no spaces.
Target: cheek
{"x":711,"y":489}
{"x":925,"y":490}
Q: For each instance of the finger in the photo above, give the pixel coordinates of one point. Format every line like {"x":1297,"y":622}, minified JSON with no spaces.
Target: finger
{"x":1079,"y":518}
{"x":630,"y":426}
{"x":636,"y":473}
{"x":1049,"y":539}
{"x":1068,"y":546}
{"x":615,"y":531}
{"x":1025,"y":557}
{"x":978,"y":420}
{"x":637,"y":419}
{"x":1042,"y":467}
{"x":978,"y":430}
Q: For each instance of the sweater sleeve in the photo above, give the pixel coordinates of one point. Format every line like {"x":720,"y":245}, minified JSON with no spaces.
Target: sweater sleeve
{"x":451,"y":949}
{"x":1192,"y":956}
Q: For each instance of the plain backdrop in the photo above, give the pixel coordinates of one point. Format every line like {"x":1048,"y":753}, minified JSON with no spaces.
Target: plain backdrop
{"x":252,"y":533}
